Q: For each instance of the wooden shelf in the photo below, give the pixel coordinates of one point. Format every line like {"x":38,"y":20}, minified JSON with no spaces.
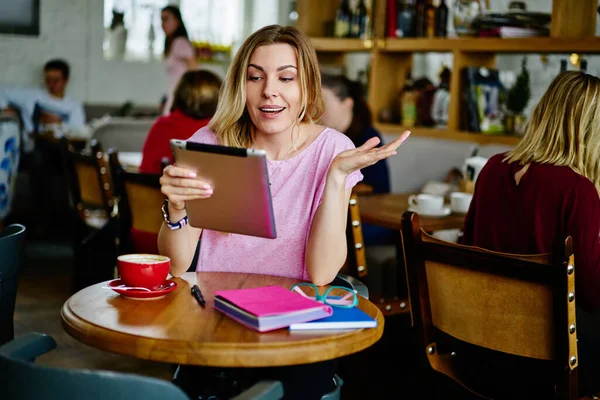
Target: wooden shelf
{"x":335,"y":45}
{"x":494,"y":45}
{"x":449,"y":134}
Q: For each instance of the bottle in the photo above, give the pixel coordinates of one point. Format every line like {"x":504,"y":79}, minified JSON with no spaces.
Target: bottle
{"x":441,"y":19}
{"x":408,"y":108}
{"x":406,"y":19}
{"x":430,"y":19}
{"x":563,"y":65}
{"x":342,"y":20}
{"x":421,"y":18}
{"x":357,"y":25}
{"x":360,"y":21}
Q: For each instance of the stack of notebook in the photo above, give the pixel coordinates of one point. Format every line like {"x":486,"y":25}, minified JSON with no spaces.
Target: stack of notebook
{"x":268,"y":308}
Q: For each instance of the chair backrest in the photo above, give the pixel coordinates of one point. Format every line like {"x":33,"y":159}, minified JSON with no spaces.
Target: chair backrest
{"x":123,"y":134}
{"x":518,"y":305}
{"x":90,"y":179}
{"x":10,"y":143}
{"x":356,"y":262}
{"x":12,"y":243}
{"x":145,"y":200}
{"x":21,"y":379}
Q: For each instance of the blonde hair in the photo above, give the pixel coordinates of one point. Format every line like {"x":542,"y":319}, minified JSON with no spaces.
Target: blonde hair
{"x":231,"y":122}
{"x":564,"y":128}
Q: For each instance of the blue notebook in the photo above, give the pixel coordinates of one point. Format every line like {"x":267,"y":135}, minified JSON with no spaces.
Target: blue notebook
{"x":342,"y":318}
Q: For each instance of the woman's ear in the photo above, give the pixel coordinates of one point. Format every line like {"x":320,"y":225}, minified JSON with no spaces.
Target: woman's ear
{"x":348,"y":103}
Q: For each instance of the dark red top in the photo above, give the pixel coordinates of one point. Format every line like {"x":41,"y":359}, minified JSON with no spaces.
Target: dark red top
{"x":549,"y":203}
{"x":176,"y":125}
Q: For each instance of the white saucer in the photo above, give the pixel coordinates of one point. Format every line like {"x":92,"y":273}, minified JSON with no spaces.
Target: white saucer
{"x":442,"y":213}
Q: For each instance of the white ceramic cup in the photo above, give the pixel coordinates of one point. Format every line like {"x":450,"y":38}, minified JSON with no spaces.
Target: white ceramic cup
{"x":426,"y":203}
{"x":447,"y":235}
{"x":460,"y":202}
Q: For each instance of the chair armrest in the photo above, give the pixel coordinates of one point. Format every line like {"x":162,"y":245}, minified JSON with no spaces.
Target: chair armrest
{"x":352,"y":283}
{"x":28,"y":347}
{"x":264,"y":390}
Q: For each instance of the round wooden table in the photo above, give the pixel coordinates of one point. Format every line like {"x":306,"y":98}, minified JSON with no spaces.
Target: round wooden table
{"x":175,"y":329}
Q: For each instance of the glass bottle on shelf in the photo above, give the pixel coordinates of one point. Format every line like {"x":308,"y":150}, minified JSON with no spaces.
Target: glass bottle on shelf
{"x":408,"y":103}
{"x":358,"y":27}
{"x":405,"y":22}
{"x":441,"y":19}
{"x":421,"y":18}
{"x":342,"y":20}
{"x":429,"y":19}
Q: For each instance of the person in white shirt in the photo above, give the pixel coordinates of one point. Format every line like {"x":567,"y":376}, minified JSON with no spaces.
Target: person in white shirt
{"x":50,"y":107}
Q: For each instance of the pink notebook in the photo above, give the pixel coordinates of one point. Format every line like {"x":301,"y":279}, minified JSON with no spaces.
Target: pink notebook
{"x":268,"y":308}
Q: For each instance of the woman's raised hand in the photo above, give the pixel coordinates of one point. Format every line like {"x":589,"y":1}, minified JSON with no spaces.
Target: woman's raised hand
{"x":181,"y":185}
{"x":366,"y":155}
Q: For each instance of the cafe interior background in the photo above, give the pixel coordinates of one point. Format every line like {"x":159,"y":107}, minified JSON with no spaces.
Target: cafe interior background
{"x":118,"y":74}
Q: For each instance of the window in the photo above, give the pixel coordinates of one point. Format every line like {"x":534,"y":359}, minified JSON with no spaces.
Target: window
{"x":140,"y":36}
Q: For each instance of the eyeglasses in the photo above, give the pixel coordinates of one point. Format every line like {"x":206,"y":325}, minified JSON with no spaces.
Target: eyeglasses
{"x":342,"y":297}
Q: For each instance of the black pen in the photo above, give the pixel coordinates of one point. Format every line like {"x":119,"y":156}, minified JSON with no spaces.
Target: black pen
{"x":198,"y":295}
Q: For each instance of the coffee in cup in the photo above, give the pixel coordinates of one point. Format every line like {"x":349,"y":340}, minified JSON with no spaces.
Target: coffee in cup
{"x":460,"y":202}
{"x":426,"y":203}
{"x":143,"y":270}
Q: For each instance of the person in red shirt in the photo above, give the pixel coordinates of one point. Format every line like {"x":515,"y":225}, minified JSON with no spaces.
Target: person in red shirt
{"x":194,"y":103}
{"x":546,"y":189}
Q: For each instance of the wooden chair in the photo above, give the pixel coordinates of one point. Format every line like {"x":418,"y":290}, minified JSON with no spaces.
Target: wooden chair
{"x":96,"y":206}
{"x":22,"y":379}
{"x":12,"y":243}
{"x":490,"y":321}
{"x":356,"y":263}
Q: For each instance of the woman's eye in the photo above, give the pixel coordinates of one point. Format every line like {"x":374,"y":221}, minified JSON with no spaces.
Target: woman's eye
{"x":286,"y":79}
{"x":254,"y":78}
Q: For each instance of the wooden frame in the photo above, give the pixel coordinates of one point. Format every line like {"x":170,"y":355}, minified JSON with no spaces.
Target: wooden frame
{"x":31,"y":30}
{"x":356,"y":262}
{"x":553,"y":271}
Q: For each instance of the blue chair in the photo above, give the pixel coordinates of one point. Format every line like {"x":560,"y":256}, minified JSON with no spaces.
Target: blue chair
{"x":12,"y":240}
{"x":22,"y":379}
{"x":10,"y":141}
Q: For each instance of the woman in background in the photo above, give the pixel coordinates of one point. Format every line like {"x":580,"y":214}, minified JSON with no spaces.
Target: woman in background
{"x":547,"y":189}
{"x":179,"y":53}
{"x":194,"y":103}
{"x":347,"y":111}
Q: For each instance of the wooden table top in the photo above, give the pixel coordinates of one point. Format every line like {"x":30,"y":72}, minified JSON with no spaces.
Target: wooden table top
{"x":175,"y":329}
{"x":386,"y":210}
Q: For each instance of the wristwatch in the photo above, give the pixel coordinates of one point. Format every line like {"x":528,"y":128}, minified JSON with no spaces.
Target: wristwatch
{"x":172,"y":225}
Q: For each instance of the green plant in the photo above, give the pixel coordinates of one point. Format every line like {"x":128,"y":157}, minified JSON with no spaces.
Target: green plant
{"x":519,"y":95}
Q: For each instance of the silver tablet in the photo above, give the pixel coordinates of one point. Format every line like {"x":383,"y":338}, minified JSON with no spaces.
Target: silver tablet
{"x":241,"y":201}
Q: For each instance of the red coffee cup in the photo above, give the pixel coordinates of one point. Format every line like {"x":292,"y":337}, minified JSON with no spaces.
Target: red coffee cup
{"x":143,"y":270}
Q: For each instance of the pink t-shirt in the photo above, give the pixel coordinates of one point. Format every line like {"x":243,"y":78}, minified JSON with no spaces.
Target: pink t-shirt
{"x":297,"y":190}
{"x":181,"y":48}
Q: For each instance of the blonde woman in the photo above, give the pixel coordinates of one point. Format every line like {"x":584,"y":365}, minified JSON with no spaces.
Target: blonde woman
{"x":269,"y":101}
{"x":547,"y":189}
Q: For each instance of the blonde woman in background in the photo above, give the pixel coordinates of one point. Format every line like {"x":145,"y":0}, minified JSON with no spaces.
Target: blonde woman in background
{"x":547,"y":189}
{"x":270,"y":100}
